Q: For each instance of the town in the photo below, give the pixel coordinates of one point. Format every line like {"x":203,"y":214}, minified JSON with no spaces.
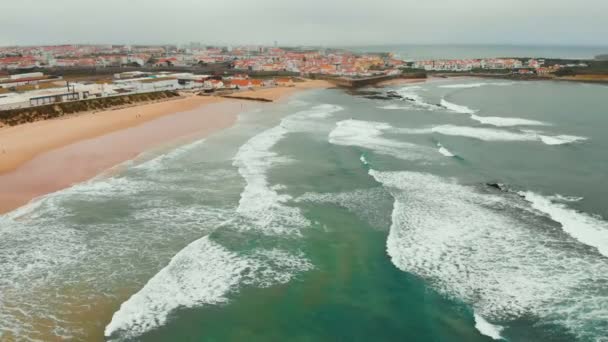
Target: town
{"x":40,"y":75}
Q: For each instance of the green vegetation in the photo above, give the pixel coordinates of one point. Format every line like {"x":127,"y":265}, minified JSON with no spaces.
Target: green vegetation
{"x":15,"y":117}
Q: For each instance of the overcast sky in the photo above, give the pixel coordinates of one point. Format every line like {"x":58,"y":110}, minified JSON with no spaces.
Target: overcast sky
{"x":310,"y":22}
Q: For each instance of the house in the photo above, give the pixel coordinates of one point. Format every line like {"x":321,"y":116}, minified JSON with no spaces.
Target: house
{"x":284,"y":82}
{"x":240,"y":84}
{"x":164,"y":62}
{"x":213,"y":84}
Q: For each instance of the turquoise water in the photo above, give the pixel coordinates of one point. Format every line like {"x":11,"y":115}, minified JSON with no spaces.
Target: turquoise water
{"x":336,"y":217}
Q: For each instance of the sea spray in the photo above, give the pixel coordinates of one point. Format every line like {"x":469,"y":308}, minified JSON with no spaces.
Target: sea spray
{"x":369,"y":135}
{"x":506,"y":121}
{"x":588,"y":229}
{"x":445,"y":151}
{"x":457,"y":108}
{"x":487,"y":329}
{"x":486,"y":251}
{"x":201,"y":274}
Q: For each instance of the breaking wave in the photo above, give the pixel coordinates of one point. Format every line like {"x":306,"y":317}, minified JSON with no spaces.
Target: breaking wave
{"x":487,"y":329}
{"x":486,"y":134}
{"x":445,"y":151}
{"x":506,"y":122}
{"x":476,"y":85}
{"x":492,"y":134}
{"x":203,"y":273}
{"x":61,"y":242}
{"x":410,"y":95}
{"x":504,"y":261}
{"x":395,"y":107}
{"x":457,"y":108}
{"x":590,"y":230}
{"x":369,"y":135}
{"x":560,"y":139}
{"x":261,"y":204}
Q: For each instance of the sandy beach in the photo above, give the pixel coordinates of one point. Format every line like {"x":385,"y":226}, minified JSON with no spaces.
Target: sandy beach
{"x":46,"y":156}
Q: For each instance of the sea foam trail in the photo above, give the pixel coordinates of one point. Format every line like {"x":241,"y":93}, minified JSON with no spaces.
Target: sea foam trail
{"x":260,"y":204}
{"x":394,"y":107}
{"x":369,"y":134}
{"x":487,"y":134}
{"x":476,"y":85}
{"x":445,"y":151}
{"x":592,"y":231}
{"x":457,"y":108}
{"x":487,"y":329}
{"x":59,"y":243}
{"x":492,"y":134}
{"x":560,"y":139}
{"x":201,"y":274}
{"x":506,"y":122}
{"x":485,"y":249}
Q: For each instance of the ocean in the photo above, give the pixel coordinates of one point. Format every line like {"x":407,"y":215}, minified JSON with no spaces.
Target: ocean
{"x":466,"y":210}
{"x":423,"y":52}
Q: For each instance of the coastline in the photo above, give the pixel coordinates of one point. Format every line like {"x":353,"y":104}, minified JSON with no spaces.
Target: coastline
{"x":589,"y":79}
{"x":46,"y":156}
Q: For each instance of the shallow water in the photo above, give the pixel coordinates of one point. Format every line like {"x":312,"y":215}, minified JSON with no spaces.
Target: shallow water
{"x":335,"y":217}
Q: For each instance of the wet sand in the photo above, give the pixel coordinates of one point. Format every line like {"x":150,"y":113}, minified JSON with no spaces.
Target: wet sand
{"x":47,"y":156}
{"x":62,"y":167}
{"x":21,"y":143}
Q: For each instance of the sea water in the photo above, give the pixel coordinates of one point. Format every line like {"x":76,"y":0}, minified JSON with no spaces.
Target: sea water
{"x":335,"y":217}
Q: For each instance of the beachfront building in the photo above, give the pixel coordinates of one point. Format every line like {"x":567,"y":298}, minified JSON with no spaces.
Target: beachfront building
{"x":71,"y":92}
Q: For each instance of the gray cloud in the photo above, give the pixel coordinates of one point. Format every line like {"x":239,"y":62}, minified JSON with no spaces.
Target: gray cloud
{"x":337,"y":22}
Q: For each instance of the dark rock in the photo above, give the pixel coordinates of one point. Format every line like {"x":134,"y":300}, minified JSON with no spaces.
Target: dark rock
{"x":378,"y":97}
{"x":498,"y":186}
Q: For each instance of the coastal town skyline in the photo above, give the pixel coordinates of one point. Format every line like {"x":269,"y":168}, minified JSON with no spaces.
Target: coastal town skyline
{"x":339,"y":23}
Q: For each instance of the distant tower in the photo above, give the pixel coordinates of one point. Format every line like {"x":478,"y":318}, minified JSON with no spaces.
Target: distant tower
{"x":276,"y":44}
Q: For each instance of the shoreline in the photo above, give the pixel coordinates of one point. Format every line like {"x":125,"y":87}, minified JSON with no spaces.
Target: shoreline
{"x":588,"y":79}
{"x":43,"y":157}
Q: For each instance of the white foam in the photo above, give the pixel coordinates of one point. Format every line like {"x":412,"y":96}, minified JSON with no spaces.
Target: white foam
{"x":166,"y":159}
{"x":486,"y":134}
{"x":261,"y":204}
{"x":201,"y":274}
{"x":505,"y":122}
{"x":491,"y":134}
{"x":395,"y":107}
{"x":560,"y":139}
{"x":445,"y":151}
{"x":505,"y":262}
{"x":457,"y":108}
{"x":369,"y":134}
{"x":476,"y":85}
{"x":412,"y":97}
{"x":363,"y":160}
{"x":590,"y":230}
{"x":463,"y":85}
{"x":561,"y":198}
{"x":487,"y":329}
{"x":370,"y":204}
